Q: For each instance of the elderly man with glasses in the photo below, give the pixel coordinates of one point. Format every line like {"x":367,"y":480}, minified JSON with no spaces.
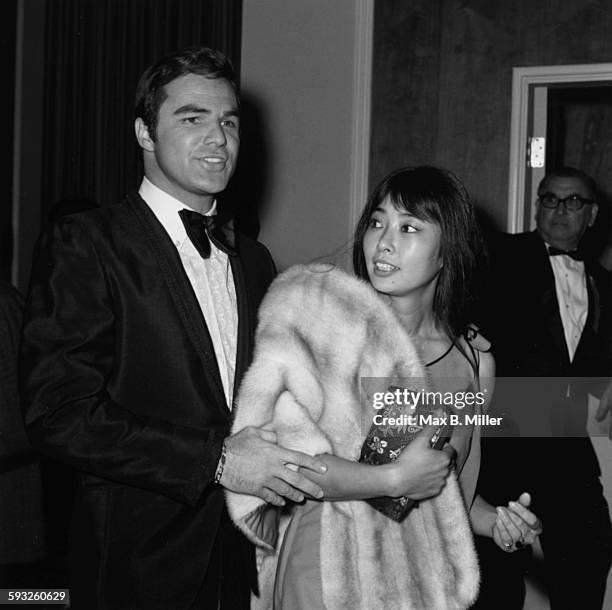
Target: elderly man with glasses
{"x":548,"y":312}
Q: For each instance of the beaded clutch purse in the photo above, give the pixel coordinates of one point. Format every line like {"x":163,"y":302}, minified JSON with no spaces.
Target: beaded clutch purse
{"x":385,"y":442}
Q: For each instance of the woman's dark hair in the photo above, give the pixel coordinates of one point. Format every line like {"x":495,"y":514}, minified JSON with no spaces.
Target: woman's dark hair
{"x":151,"y":92}
{"x":436,"y":195}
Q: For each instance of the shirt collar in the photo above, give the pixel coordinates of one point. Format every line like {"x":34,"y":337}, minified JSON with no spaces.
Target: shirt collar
{"x":166,"y":209}
{"x":567,"y":261}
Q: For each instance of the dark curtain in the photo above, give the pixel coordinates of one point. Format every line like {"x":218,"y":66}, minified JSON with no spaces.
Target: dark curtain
{"x":7,"y":63}
{"x":96,"y":51}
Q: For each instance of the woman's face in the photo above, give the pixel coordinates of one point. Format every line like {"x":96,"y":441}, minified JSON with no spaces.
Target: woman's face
{"x":402,"y":253}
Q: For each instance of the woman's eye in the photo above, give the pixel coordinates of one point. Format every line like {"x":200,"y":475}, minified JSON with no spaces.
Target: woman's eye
{"x":409,"y":229}
{"x":374,"y":223}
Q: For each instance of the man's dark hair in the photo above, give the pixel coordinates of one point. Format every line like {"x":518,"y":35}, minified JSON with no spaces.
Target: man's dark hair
{"x":569,"y":172}
{"x":435,"y":195}
{"x":151,"y":92}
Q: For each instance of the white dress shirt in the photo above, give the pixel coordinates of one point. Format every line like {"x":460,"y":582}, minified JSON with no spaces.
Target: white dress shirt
{"x":212,"y":281}
{"x":572,"y":296}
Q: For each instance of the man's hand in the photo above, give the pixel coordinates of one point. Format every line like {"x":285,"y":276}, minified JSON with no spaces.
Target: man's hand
{"x":420,"y":471}
{"x":605,"y":407}
{"x":256,"y":465}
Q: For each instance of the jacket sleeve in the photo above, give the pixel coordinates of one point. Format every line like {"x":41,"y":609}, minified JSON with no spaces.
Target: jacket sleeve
{"x":69,"y":352}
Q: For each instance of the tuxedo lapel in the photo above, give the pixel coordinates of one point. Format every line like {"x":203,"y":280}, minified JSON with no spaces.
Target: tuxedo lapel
{"x":182,"y":293}
{"x":548,"y":305}
{"x":245,"y":324}
{"x":550,"y":308}
{"x":592,"y":321}
{"x":591,"y":326}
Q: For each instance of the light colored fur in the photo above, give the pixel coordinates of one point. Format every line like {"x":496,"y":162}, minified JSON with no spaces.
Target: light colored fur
{"x":320,"y":331}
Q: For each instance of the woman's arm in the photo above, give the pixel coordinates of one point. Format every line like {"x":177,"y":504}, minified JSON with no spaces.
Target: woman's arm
{"x":513,"y":526}
{"x":486,"y":376}
{"x":483,"y":517}
{"x":419,"y":472}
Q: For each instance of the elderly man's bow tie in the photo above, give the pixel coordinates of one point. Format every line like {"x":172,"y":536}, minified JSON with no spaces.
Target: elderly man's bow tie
{"x":201,"y":230}
{"x":575,"y":254}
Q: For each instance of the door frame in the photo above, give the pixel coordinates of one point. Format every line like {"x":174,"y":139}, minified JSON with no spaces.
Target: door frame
{"x":362,"y":105}
{"x":524,"y":82}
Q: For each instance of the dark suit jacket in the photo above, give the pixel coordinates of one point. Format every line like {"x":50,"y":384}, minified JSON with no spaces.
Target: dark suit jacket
{"x":521,"y":317}
{"x":525,"y":320}
{"x":120,"y":380}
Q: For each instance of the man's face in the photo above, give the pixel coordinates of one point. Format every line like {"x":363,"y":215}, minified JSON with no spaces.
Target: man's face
{"x":195,"y":152}
{"x":558,"y":226}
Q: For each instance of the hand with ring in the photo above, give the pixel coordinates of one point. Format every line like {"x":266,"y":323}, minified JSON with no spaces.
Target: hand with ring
{"x":515,"y":525}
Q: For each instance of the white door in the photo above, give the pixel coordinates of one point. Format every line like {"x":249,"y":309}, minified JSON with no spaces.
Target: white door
{"x":530,"y":88}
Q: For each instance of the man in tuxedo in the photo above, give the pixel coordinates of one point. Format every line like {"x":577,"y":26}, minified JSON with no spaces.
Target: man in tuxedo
{"x":138,"y":327}
{"x":548,"y":313}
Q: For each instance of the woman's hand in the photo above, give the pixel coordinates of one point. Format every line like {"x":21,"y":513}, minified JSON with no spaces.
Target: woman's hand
{"x":515,"y":525}
{"x":420,"y":472}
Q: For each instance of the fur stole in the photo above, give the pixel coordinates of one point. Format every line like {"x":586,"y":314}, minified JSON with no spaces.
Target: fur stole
{"x":320,"y":331}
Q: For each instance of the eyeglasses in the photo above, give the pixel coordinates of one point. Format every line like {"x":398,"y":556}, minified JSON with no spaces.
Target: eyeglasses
{"x":572,"y":203}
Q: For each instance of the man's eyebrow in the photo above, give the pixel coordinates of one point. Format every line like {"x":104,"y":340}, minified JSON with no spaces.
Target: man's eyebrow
{"x":571,"y":194}
{"x":193,"y":109}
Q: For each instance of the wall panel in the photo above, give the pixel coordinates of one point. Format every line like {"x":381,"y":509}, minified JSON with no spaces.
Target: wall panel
{"x":405,"y":66}
{"x":445,"y":98}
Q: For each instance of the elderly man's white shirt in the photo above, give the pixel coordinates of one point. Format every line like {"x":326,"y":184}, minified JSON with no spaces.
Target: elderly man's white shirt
{"x":572,"y":296}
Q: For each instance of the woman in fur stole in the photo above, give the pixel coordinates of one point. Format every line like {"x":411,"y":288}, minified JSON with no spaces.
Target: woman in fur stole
{"x":320,"y":333}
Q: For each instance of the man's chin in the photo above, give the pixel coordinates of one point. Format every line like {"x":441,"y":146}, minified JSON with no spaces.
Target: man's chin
{"x":557,"y":234}
{"x":214,"y":186}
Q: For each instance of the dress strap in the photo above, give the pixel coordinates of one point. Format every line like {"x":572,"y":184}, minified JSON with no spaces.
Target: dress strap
{"x":446,"y":353}
{"x":473,"y":357}
{"x":475,"y":342}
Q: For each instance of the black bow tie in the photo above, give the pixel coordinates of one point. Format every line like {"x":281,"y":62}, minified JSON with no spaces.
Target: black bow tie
{"x":201,"y":230}
{"x":575,"y":254}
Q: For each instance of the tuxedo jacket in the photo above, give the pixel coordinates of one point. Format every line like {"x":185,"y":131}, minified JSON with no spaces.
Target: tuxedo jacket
{"x":521,"y":317}
{"x":120,"y":380}
{"x":524,"y":317}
